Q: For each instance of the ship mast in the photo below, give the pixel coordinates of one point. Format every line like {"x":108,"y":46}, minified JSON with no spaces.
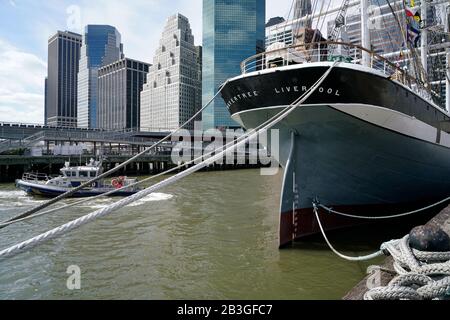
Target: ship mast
{"x":424,"y":36}
{"x":365,"y":33}
{"x":447,"y":71}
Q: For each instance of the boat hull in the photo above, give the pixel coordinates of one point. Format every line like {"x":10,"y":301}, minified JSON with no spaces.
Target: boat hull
{"x":363,"y":157}
{"x":52,"y":192}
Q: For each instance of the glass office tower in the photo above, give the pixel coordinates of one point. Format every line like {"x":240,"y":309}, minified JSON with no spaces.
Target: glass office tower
{"x":101,"y":46}
{"x":61,"y":84}
{"x":233,"y":30}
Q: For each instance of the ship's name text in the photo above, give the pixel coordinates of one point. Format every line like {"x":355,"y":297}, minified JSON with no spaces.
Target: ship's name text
{"x":281,"y":90}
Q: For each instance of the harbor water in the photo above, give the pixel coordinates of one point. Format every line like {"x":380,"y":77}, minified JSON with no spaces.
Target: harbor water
{"x":213,"y":235}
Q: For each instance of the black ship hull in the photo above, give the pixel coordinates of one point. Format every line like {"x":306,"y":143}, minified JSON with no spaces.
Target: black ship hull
{"x":362,"y":143}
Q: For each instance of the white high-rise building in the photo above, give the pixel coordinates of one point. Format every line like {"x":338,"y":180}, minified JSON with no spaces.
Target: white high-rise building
{"x":172,"y":93}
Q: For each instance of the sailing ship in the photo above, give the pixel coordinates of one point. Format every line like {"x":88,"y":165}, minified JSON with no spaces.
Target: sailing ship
{"x":72,"y":177}
{"x":373,"y":139}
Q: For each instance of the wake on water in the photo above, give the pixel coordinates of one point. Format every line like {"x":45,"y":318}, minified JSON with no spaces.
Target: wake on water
{"x":102,"y":203}
{"x":15,"y":199}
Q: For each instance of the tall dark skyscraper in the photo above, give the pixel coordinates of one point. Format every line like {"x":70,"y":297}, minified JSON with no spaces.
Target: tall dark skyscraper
{"x":101,"y":46}
{"x":61,"y":82}
{"x":119,"y":94}
{"x":233,"y":30}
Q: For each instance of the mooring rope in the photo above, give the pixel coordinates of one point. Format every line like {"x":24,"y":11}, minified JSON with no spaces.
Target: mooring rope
{"x":394,"y":216}
{"x":115,"y":169}
{"x":345,"y":257}
{"x":421,"y":275}
{"x":33,"y":242}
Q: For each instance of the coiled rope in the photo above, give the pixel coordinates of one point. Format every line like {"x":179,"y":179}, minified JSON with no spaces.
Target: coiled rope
{"x":421,"y":275}
{"x":108,"y":173}
{"x":33,"y":242}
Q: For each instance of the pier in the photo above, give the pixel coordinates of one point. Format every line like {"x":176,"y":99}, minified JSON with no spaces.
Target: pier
{"x":17,"y":141}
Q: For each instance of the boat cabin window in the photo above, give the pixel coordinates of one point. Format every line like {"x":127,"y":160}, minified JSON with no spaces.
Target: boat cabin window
{"x":93,"y":174}
{"x":70,"y":174}
{"x":84,"y":174}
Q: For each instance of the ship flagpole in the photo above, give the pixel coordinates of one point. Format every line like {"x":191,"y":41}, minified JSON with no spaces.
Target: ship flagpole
{"x":365,"y":32}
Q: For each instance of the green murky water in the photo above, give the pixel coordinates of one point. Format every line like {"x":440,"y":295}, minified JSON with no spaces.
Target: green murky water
{"x":212,"y":236}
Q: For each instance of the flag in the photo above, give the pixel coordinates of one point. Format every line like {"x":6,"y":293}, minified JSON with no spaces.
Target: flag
{"x":413,"y":23}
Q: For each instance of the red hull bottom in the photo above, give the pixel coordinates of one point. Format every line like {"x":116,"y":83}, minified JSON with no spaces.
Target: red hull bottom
{"x":302,"y":223}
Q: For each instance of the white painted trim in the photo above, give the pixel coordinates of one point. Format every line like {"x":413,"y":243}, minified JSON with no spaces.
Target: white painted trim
{"x":383,"y":117}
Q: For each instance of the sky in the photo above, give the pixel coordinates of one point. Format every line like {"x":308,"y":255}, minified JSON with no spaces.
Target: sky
{"x":26,"y":25}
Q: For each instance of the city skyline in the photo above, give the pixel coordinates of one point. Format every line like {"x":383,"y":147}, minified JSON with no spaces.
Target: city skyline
{"x":23,"y":66}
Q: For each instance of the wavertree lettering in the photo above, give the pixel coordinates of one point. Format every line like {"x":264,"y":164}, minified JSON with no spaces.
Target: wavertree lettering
{"x":242,"y":96}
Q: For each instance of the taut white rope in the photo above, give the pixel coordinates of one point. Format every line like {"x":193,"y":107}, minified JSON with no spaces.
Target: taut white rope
{"x":26,"y":245}
{"x":108,"y":173}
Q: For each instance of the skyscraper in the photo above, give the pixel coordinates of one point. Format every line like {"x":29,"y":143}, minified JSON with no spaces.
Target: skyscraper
{"x":61,"y":82}
{"x":119,"y":94}
{"x":101,"y":46}
{"x":233,"y":30}
{"x":45,"y":100}
{"x":172,"y":93}
{"x":302,"y":8}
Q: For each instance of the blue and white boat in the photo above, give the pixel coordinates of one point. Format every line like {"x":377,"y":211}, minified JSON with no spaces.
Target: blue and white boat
{"x":72,"y":177}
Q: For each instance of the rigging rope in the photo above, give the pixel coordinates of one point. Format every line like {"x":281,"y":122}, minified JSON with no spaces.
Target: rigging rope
{"x":59,"y":231}
{"x":108,"y":173}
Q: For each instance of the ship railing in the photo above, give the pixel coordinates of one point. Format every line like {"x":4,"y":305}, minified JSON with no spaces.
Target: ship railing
{"x":35,"y":177}
{"x":330,"y":51}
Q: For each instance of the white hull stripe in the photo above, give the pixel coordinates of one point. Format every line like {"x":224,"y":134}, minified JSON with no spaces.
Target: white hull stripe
{"x":382,"y":117}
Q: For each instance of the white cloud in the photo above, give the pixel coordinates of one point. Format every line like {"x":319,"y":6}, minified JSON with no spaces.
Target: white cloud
{"x":21,"y":85}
